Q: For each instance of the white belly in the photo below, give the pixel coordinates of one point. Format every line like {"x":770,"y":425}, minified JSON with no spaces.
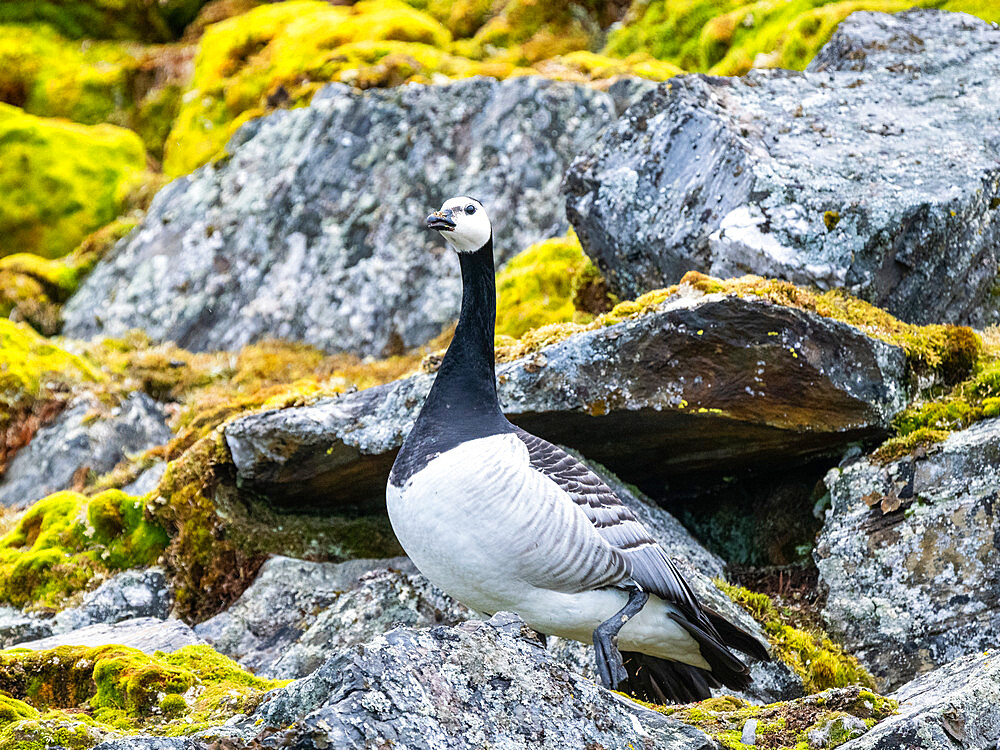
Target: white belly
{"x":466,"y":524}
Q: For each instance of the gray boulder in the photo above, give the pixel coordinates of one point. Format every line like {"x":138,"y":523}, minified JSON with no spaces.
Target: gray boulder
{"x":956,"y":706}
{"x":147,"y":634}
{"x":130,"y":594}
{"x":918,"y":586}
{"x":700,"y":381}
{"x":284,"y":601}
{"x":480,"y":684}
{"x":875,"y":171}
{"x":86,"y":436}
{"x":382,"y":600}
{"x":17,"y":626}
{"x":313,"y":229}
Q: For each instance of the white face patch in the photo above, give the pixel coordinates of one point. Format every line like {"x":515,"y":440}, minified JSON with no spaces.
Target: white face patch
{"x":472,"y":225}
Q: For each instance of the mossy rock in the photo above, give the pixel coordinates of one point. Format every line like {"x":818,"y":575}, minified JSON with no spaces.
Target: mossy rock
{"x":728,"y":37}
{"x":61,"y":180}
{"x":158,"y":21}
{"x":67,"y":539}
{"x":92,"y":82}
{"x":277,"y":53}
{"x":116,"y":690}
{"x":33,"y":289}
{"x":820,"y":663}
{"x":553,"y":281}
{"x":789,"y":725}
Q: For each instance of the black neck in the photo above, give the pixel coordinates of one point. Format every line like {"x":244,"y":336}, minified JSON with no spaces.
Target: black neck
{"x":465,"y":386}
{"x":462,"y":404}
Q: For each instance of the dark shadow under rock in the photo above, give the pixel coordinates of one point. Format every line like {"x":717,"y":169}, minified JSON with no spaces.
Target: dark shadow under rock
{"x":694,"y":384}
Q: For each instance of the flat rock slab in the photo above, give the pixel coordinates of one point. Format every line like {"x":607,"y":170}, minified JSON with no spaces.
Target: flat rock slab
{"x":700,"y":382}
{"x":480,"y":684}
{"x":919,"y":586}
{"x":86,"y":436}
{"x":956,"y":706}
{"x":148,"y":634}
{"x":877,"y":170}
{"x":313,"y":230}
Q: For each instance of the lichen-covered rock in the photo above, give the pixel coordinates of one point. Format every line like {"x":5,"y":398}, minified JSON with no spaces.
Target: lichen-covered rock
{"x":882,"y":181}
{"x":955,"y":706}
{"x":285,"y":599}
{"x":478,"y":684}
{"x":61,"y":180}
{"x":381,"y":601}
{"x":910,"y":557}
{"x":17,"y":626}
{"x":86,"y":437}
{"x":153,"y":743}
{"x":312,"y":229}
{"x":147,"y":634}
{"x":128,"y":595}
{"x":694,"y":381}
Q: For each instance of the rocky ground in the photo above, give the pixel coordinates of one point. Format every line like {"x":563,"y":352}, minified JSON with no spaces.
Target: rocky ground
{"x":200,"y":401}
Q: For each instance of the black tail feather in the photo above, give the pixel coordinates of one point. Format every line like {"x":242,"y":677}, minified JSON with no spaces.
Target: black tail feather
{"x":736,"y":637}
{"x":657,"y":680}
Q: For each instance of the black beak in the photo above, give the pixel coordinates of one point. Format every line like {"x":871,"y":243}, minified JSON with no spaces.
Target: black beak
{"x":441,"y":221}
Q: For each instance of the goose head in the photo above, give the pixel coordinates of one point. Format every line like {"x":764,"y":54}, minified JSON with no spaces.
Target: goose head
{"x":463,"y":223}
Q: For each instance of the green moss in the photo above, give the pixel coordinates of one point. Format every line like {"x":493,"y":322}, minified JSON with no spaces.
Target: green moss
{"x":116,"y":690}
{"x":543,"y":284}
{"x":95,"y":82}
{"x":820,"y":663}
{"x":61,"y":180}
{"x":728,"y":37}
{"x":279,"y":53}
{"x":926,"y":422}
{"x":105,"y":19}
{"x":66,"y":539}
{"x":785,"y":725}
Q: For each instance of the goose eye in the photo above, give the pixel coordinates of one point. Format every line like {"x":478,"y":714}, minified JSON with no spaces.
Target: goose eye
{"x":470,"y":209}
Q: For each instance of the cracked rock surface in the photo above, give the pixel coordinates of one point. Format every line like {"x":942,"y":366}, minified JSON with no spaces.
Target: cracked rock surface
{"x":876,"y":170}
{"x":312,"y":230}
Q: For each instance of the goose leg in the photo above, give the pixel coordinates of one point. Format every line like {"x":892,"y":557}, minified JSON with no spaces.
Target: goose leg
{"x":609,"y":658}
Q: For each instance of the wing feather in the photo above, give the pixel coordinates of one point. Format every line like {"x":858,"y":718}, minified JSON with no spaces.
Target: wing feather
{"x":647,"y":563}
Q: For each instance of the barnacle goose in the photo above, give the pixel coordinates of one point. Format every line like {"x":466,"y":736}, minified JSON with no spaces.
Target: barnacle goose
{"x":503,"y":520}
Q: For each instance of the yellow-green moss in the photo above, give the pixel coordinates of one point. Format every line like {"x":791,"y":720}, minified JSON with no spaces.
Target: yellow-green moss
{"x":728,"y":37}
{"x":810,"y":653}
{"x":926,"y":422}
{"x":279,"y":52}
{"x":105,"y":19}
{"x":66,"y":539}
{"x":121,"y":691}
{"x":526,"y":31}
{"x":31,"y":364}
{"x":583,"y":65}
{"x":785,"y":725}
{"x":539,"y":286}
{"x":61,"y":180}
